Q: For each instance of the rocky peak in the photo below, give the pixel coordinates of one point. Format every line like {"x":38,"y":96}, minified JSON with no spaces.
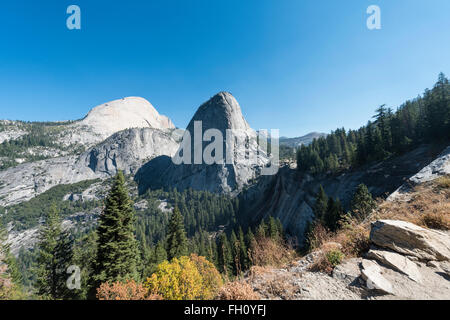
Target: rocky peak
{"x":221,"y":112}
{"x":228,"y":175}
{"x":131,"y":112}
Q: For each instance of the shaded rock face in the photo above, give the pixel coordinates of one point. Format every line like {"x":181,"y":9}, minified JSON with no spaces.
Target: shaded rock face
{"x":437,"y":168}
{"x":229,"y":175}
{"x":126,"y":150}
{"x":409,"y":239}
{"x":290,"y":196}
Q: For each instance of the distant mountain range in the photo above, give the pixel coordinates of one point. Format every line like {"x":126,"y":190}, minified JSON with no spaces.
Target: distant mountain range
{"x":303,"y":140}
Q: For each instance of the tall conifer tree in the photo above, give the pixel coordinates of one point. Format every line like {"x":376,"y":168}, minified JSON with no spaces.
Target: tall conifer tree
{"x":118,"y":255}
{"x":176,"y":237}
{"x":54,"y":257}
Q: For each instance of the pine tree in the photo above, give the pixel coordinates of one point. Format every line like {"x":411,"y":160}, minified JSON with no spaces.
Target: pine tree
{"x":261,"y":231}
{"x":176,"y":237}
{"x":156,"y":256}
{"x":10,"y":277}
{"x":280,"y":228}
{"x":321,"y":204}
{"x":249,"y":239}
{"x":235,"y":253}
{"x":118,"y":256}
{"x":224,"y":255}
{"x":54,"y":257}
{"x":272,"y":229}
{"x":243,"y":250}
{"x":333,"y":215}
{"x":362,"y":203}
{"x":84,"y":255}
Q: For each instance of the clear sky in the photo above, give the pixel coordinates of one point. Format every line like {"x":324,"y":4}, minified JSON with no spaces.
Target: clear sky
{"x":299,"y":65}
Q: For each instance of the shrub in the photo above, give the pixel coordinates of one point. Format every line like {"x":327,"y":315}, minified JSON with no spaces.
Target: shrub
{"x":328,"y":257}
{"x":176,"y":280}
{"x":316,"y":236}
{"x":129,"y":290}
{"x":267,"y":252}
{"x":6,"y":286}
{"x":211,"y":278}
{"x":335,"y":257}
{"x":186,"y":278}
{"x":237,"y":290}
{"x":354,"y":238}
{"x":436,"y":220}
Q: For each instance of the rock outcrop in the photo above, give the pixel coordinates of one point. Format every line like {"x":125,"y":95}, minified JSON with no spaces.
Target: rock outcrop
{"x":371,"y":273}
{"x":230,"y":170}
{"x":126,"y":113}
{"x":381,"y":274}
{"x":408,"y":239}
{"x":126,"y":150}
{"x":437,"y":168}
{"x":397,"y":262}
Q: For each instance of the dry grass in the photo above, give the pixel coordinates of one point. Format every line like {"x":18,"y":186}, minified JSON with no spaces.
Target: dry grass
{"x":282,"y":287}
{"x":256,"y":271}
{"x":267,"y":252}
{"x":428,"y":206}
{"x":443,"y":182}
{"x":237,"y":290}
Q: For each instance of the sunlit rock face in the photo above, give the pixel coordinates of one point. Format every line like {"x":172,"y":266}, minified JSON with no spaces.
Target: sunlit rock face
{"x":199,"y":165}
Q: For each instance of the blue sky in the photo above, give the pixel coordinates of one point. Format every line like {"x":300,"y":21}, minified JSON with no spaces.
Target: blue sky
{"x":299,"y":66}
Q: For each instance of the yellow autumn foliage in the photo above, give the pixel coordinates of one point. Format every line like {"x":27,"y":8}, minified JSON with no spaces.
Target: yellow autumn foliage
{"x":186,"y":278}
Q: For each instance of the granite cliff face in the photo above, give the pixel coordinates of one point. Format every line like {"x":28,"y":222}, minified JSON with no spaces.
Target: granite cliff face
{"x":126,"y":150}
{"x":122,"y":134}
{"x":230,"y":171}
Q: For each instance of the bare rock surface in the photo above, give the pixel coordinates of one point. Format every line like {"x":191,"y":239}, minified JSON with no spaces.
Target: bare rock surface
{"x":396,"y":261}
{"x":410,"y":239}
{"x":348,"y":271}
{"x":371,"y":272}
{"x":437,"y":168}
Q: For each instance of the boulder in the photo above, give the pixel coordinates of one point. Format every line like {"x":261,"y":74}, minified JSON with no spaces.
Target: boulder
{"x":397,"y":262}
{"x":410,"y":239}
{"x":371,"y":272}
